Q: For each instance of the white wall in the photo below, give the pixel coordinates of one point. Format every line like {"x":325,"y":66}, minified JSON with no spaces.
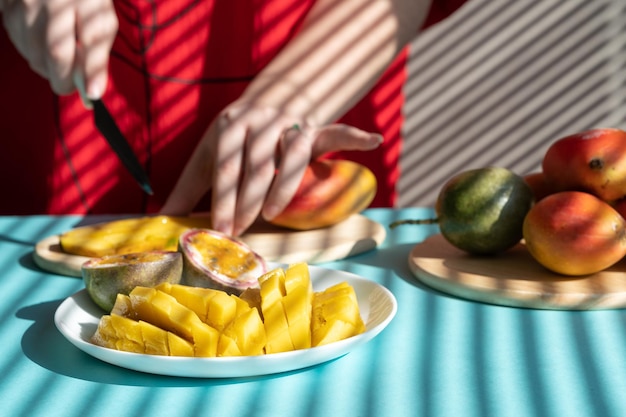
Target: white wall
{"x":500,"y":80}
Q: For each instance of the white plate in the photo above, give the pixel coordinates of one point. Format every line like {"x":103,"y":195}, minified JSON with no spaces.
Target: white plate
{"x":77,"y":319}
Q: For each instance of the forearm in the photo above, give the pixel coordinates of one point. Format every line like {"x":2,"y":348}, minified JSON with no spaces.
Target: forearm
{"x":338,"y":55}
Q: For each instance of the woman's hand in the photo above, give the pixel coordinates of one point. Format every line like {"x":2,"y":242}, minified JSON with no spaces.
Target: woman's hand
{"x":253,"y":159}
{"x":60,"y":37}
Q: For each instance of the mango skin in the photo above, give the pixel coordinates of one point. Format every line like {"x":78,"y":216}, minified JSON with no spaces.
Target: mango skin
{"x":575,"y":233}
{"x":592,"y":161}
{"x":330,"y":192}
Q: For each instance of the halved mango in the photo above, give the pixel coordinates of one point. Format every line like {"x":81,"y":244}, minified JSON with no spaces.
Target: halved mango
{"x":133,"y":235}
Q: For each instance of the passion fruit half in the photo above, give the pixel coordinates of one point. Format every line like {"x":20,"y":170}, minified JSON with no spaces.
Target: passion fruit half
{"x":108,"y":276}
{"x":214,"y":260}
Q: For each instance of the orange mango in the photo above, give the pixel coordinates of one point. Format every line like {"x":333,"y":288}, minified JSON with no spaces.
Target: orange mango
{"x":575,"y":233}
{"x":330,"y":192}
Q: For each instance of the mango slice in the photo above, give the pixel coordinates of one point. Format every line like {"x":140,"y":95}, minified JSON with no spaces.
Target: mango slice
{"x":123,"y":333}
{"x":286,"y":304}
{"x":297,"y":304}
{"x":336,"y":315}
{"x":164,"y":311}
{"x":246,"y":330}
{"x":274,"y":317}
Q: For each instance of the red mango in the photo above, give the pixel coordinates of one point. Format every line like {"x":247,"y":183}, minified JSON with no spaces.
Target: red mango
{"x":538,"y":184}
{"x":593,"y":161}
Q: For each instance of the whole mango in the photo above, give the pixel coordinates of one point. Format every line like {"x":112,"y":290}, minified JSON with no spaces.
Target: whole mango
{"x":330,"y":192}
{"x":481,"y":211}
{"x":539,"y":185}
{"x":575,"y":233}
{"x":593,"y":161}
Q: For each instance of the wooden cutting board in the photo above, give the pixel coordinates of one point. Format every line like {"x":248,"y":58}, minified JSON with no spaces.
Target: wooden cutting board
{"x":355,"y":235}
{"x":514,"y":279}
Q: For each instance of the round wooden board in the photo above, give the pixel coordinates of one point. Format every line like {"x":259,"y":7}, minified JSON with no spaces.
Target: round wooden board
{"x":355,"y":235}
{"x":514,"y":279}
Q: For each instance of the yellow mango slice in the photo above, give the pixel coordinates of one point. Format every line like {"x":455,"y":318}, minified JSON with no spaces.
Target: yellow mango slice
{"x":227,"y":346}
{"x":107,"y":336}
{"x":336,"y":315}
{"x":195,"y":298}
{"x":177,"y":345}
{"x":155,"y":339}
{"x":222,"y":311}
{"x":214,"y":307}
{"x":272,"y":287}
{"x":132,"y":235}
{"x":297,"y":304}
{"x":122,"y":306}
{"x":272,"y":290}
{"x":247,"y":329}
{"x":162,"y":310}
{"x":276,"y":329}
{"x":123,"y":333}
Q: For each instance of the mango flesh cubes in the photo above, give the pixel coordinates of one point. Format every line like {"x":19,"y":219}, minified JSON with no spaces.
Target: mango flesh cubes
{"x":283,"y":314}
{"x":240,"y":326}
{"x":286,"y":298}
{"x":335,"y":315}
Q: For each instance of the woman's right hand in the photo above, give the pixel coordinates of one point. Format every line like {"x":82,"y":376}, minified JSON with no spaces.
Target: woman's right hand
{"x":61,"y":37}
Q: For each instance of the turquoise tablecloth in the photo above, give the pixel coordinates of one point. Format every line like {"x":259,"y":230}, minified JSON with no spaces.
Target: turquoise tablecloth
{"x":441,"y":356}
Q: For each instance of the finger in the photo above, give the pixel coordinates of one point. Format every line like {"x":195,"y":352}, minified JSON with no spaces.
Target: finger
{"x":296,"y":154}
{"x":194,"y":182}
{"x":60,"y":42}
{"x":97,"y":26}
{"x":229,"y":149}
{"x":26,"y":29}
{"x":341,"y":137}
{"x":260,"y":167}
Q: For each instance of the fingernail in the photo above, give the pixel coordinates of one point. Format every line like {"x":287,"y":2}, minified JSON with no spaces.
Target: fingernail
{"x":224,"y":227}
{"x":96,"y":87}
{"x":270,"y":212}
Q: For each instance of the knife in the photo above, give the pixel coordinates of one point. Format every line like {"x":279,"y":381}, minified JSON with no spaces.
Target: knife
{"x":111,"y":132}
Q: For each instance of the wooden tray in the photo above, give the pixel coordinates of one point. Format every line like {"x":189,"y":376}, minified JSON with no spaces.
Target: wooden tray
{"x":514,"y":279}
{"x":355,"y":235}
